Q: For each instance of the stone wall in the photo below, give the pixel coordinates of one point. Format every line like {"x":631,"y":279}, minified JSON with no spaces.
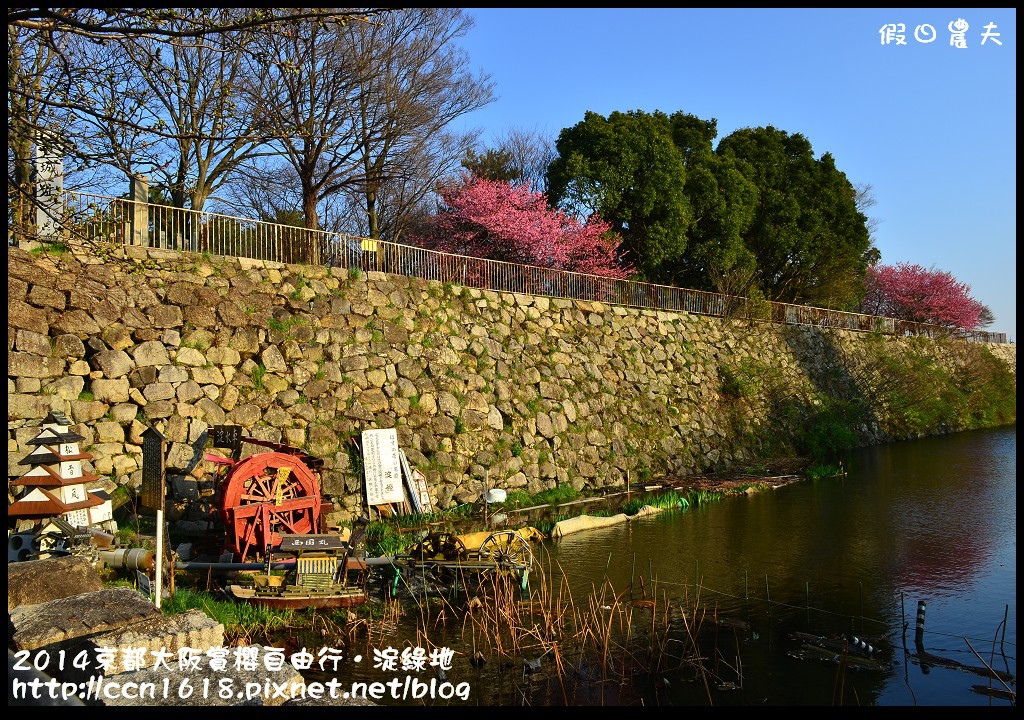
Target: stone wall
{"x":526,"y":392}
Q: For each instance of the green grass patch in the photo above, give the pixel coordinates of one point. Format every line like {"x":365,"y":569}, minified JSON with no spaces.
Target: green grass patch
{"x":384,"y":539}
{"x":50,"y":248}
{"x":666,"y":501}
{"x":241,"y":621}
{"x":816,"y":472}
{"x":557,"y":495}
{"x":257,"y":376}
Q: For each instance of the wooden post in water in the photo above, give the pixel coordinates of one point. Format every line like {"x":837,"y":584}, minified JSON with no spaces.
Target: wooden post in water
{"x":861,"y":606}
{"x":919,"y":634}
{"x":632,"y":573}
{"x":807,"y":600}
{"x":1002,"y":640}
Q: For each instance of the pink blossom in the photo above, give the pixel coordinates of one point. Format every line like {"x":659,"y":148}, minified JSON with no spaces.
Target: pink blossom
{"x":500,"y":221}
{"x":912,"y":292}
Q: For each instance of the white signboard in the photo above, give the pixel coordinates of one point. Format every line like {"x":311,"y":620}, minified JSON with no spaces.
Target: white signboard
{"x":381,"y":467}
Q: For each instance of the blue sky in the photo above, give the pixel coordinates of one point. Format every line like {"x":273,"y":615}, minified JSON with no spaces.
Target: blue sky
{"x":930,"y":126}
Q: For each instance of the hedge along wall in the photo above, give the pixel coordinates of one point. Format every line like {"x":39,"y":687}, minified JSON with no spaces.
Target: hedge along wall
{"x":526,"y":391}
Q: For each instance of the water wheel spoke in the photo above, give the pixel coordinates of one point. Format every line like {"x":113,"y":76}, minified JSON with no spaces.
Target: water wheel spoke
{"x":266,"y":495}
{"x":507,"y":548}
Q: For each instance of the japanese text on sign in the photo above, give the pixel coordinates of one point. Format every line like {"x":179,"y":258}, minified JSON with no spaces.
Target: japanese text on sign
{"x":381,"y":467}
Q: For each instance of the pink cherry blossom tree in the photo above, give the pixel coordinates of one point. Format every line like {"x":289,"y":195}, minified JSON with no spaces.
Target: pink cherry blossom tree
{"x":911,"y":292}
{"x":496,"y":220}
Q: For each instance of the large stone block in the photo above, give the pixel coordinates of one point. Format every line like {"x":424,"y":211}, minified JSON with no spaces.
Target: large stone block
{"x":158,"y":634}
{"x":39,"y":581}
{"x":76,"y":616}
{"x":21,"y":364}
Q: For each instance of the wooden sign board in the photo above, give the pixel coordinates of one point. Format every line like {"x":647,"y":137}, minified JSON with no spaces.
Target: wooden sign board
{"x":153,"y":489}
{"x":416,"y":483}
{"x":227,"y":436}
{"x":420,"y":481}
{"x":296,"y":543}
{"x":382,"y":467}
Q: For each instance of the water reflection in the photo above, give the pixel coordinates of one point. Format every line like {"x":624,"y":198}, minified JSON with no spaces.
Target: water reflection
{"x":931,"y":520}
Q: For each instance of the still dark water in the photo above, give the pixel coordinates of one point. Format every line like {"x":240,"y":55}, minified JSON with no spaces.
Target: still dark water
{"x":930,"y":520}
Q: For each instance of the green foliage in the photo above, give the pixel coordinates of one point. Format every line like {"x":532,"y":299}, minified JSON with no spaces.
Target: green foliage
{"x":277,"y":326}
{"x":810,"y":241}
{"x":988,"y":387}
{"x":86,"y":395}
{"x":557,"y":495}
{"x":518,"y":499}
{"x":734,"y":384}
{"x":50,"y":248}
{"x":384,"y":539}
{"x":627,"y":169}
{"x":354,"y":273}
{"x":241,"y":620}
{"x":828,"y":470}
{"x":703,"y":497}
{"x":829,"y":431}
{"x":928,"y":386}
{"x":496,"y":164}
{"x":301,"y":282}
{"x":257,"y":376}
{"x":666,"y":501}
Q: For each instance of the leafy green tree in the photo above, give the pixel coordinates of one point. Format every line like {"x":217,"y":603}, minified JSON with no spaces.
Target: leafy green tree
{"x":811,"y":242}
{"x":722,"y":200}
{"x":627,"y":170}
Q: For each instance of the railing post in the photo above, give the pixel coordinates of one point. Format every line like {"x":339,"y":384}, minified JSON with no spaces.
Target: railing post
{"x":140,"y":210}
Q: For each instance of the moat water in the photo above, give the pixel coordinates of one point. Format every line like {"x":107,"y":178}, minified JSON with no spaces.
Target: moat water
{"x":929,"y":521}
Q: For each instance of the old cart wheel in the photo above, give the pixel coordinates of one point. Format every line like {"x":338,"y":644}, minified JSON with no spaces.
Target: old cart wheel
{"x":266,"y":495}
{"x":439,"y":546}
{"x":506,"y":548}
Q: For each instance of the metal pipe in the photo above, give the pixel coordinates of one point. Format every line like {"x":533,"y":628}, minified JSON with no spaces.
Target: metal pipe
{"x":129,"y":558}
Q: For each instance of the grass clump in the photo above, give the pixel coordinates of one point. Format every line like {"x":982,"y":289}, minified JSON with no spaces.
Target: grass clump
{"x":557,"y":495}
{"x":243,"y":622}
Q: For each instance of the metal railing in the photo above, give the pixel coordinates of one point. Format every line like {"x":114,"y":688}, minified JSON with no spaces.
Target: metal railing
{"x":121,"y":221}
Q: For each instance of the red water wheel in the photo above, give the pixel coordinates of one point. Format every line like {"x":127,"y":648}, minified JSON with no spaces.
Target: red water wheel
{"x":267,"y":495}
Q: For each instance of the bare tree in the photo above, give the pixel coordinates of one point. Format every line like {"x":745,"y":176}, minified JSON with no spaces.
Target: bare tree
{"x":121,"y":132}
{"x":865,"y":199}
{"x":32,"y":120}
{"x":197,"y":88}
{"x":306,"y":88}
{"x":362,"y":115}
{"x":531,"y":152}
{"x":413,"y":83}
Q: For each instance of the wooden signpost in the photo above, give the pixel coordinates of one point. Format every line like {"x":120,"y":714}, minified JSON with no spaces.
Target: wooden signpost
{"x":154,"y":472}
{"x":154,"y":492}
